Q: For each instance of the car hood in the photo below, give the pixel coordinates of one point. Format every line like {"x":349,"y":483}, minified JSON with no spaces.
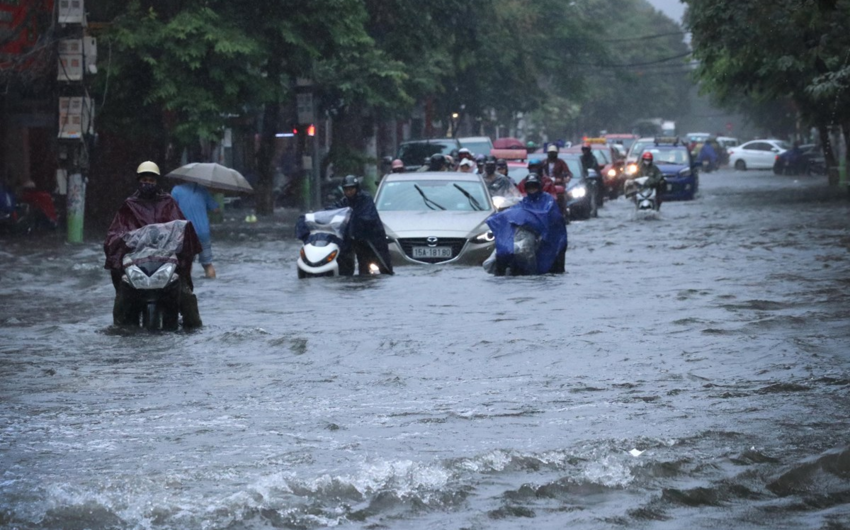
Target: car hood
{"x":671,"y":169}
{"x":434,"y":223}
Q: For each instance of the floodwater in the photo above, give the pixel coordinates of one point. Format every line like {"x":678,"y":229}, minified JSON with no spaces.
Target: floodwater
{"x":689,"y":371}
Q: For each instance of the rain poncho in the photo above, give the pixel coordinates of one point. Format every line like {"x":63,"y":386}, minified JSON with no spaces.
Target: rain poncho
{"x":137,"y":212}
{"x":366,"y":227}
{"x":538,"y":216}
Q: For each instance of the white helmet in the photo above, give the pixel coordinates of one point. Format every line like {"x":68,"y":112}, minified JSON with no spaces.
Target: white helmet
{"x":148,"y":167}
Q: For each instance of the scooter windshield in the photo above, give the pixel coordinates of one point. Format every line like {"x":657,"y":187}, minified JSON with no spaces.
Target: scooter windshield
{"x":155,"y":242}
{"x":331,"y":222}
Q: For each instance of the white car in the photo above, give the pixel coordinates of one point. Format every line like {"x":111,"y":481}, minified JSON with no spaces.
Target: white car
{"x":756,"y":154}
{"x":436,"y":217}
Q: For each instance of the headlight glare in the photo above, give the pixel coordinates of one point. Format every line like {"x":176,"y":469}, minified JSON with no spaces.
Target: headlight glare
{"x":578,"y":193}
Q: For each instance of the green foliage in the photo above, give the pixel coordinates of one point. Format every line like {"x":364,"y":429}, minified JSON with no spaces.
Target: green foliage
{"x":767,"y":50}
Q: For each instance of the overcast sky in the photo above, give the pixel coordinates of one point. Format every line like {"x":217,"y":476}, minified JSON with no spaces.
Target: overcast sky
{"x":672,"y":8}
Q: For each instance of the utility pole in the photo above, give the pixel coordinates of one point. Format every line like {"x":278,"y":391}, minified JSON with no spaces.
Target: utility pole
{"x":77,"y":58}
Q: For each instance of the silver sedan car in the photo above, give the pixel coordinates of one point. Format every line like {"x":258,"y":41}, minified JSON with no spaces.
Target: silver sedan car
{"x":436,"y":217}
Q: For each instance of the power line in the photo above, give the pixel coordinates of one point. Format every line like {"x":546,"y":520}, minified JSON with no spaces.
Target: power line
{"x":630,"y":65}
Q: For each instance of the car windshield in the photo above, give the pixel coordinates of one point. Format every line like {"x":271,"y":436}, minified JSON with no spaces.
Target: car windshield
{"x":601,"y":157}
{"x":424,"y":195}
{"x":638,"y":147}
{"x":478,"y":148}
{"x":574,"y":163}
{"x":669,"y":155}
{"x":414,"y":154}
{"x":517,"y":173}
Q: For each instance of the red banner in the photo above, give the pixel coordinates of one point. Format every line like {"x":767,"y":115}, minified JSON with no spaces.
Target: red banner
{"x":21,"y":25}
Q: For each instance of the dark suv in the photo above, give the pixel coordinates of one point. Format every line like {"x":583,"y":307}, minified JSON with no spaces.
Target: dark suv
{"x":414,"y":152}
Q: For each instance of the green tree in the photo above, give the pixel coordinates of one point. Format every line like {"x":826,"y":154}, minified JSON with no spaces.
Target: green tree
{"x":742,"y":53}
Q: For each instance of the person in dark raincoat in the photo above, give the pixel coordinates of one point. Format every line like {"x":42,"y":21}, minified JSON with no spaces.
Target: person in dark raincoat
{"x":149,"y":205}
{"x":537,"y":213}
{"x":368,"y":239}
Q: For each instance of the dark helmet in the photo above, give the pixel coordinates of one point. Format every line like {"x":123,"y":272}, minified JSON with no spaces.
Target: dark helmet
{"x":490,"y":165}
{"x":585,"y":147}
{"x":500,"y":163}
{"x":533,"y":180}
{"x":350,"y":181}
{"x":436,"y":162}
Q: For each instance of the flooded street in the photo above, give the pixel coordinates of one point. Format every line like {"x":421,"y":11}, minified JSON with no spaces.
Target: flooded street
{"x":690,"y":371}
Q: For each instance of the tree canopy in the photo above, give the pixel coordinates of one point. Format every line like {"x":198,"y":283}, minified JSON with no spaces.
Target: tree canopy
{"x":764,"y":51}
{"x":180,"y":70}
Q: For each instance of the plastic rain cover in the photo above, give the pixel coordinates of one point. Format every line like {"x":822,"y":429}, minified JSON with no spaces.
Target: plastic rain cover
{"x":330,"y":222}
{"x":159,"y":241}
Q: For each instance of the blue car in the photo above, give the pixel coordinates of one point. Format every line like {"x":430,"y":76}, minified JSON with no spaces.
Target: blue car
{"x":679,"y":170}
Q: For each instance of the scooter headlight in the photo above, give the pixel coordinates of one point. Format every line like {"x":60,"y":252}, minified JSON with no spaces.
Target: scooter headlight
{"x":164,"y":275}
{"x":631,"y":169}
{"x":486,"y":237}
{"x":135,"y":277}
{"x":578,"y":192}
{"x":612,"y":173}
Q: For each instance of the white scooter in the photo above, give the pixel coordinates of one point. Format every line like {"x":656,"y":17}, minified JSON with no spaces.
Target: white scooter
{"x":323,"y":234}
{"x":643,"y":195}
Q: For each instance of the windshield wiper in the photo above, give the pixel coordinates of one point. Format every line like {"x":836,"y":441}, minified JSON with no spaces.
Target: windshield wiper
{"x":472,"y":200}
{"x":428,"y":202}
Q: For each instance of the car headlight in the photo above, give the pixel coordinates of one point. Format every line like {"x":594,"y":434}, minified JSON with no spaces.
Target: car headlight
{"x":578,"y":192}
{"x":486,"y":237}
{"x":631,"y":169}
{"x":685,"y":172}
{"x":612,"y":172}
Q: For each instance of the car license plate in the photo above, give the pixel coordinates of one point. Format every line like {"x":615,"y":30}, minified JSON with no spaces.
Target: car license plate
{"x":432,"y":252}
{"x":669,"y":187}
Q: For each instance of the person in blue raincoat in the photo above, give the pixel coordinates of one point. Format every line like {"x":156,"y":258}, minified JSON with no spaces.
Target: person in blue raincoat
{"x":368,"y":239}
{"x":531,"y":237}
{"x":708,"y":154}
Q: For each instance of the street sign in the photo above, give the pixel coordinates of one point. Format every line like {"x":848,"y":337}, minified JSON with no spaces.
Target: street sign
{"x":304,"y":104}
{"x":71,"y":12}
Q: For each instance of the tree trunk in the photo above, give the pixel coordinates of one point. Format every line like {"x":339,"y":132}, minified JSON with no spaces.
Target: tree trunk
{"x":845,"y":128}
{"x":264,"y":193}
{"x":826,"y":143}
{"x":347,"y":145}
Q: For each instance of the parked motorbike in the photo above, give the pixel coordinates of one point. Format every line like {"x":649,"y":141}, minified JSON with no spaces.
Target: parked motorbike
{"x":323,"y":234}
{"x":150,"y":274}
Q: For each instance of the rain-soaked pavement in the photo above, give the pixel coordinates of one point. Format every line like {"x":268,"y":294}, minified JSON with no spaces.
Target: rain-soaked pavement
{"x":687,"y":372}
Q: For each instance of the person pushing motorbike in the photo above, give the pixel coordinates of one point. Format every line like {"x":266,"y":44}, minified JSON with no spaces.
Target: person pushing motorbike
{"x":149,"y":205}
{"x":368,"y":239}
